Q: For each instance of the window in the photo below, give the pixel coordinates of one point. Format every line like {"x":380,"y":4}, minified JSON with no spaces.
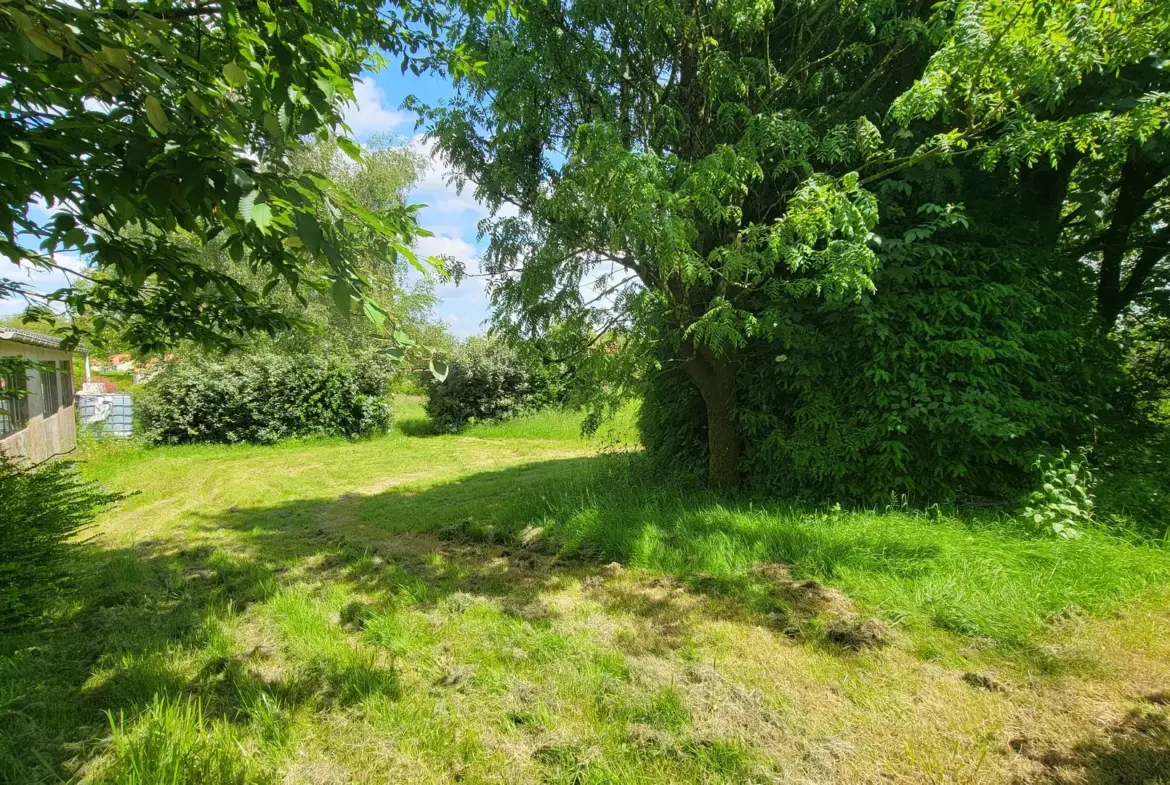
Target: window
{"x":50,"y":395}
{"x":13,"y":408}
{"x":66,"y":382}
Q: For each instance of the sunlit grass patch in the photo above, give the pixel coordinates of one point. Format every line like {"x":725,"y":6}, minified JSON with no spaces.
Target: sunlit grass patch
{"x":442,"y":609}
{"x":326,"y":659}
{"x":563,"y":424}
{"x":974,"y":576}
{"x":172,"y":741}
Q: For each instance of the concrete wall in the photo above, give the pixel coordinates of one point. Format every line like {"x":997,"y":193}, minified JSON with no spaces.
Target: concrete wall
{"x":43,"y":437}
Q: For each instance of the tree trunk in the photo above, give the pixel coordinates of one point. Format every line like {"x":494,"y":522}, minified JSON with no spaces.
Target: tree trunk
{"x":715,"y":378}
{"x":1138,"y":175}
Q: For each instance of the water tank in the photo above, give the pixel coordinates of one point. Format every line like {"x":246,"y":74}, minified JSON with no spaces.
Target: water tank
{"x":106,"y":415}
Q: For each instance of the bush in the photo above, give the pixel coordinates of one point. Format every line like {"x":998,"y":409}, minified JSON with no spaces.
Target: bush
{"x":40,"y":509}
{"x":973,"y":354}
{"x":487,"y":381}
{"x":262,"y":398}
{"x":1063,"y":502}
{"x":1134,"y":481}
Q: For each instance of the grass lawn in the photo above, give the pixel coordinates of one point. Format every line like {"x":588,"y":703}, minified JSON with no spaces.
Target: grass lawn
{"x":521,"y":605}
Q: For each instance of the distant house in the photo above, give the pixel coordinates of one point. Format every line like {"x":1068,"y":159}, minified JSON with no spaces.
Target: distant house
{"x":41,"y":424}
{"x":122,"y":363}
{"x":115,"y":363}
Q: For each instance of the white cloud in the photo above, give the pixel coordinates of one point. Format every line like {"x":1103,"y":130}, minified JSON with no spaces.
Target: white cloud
{"x":453,"y":217}
{"x":371,"y":114}
{"x":464,"y":307}
{"x":448,"y":245}
{"x":38,"y":279}
{"x":438,"y":191}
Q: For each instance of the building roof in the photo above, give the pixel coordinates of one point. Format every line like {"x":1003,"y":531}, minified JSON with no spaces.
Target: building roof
{"x":33,"y":339}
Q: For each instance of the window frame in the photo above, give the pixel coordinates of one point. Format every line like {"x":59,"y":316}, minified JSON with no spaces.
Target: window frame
{"x":15,"y":419}
{"x":65,"y":382}
{"x":50,"y":389}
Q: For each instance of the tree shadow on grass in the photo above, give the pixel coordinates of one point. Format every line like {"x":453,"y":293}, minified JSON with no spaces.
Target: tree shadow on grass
{"x":145,"y":624}
{"x":142,"y":624}
{"x":1132,"y":751}
{"x":415,"y":426}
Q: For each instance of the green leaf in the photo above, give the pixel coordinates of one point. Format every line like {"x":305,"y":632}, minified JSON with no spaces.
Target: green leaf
{"x":327,"y":87}
{"x":272,"y":126}
{"x":76,"y":237}
{"x":45,"y":42}
{"x":156,"y":115}
{"x":247,"y":203}
{"x":309,"y":231}
{"x":350,"y":148}
{"x":374,"y":313}
{"x":197,"y":102}
{"x":341,"y":296}
{"x":243,"y":179}
{"x":439,"y":370}
{"x":235,"y":75}
{"x":261,"y":215}
{"x":118,"y":58}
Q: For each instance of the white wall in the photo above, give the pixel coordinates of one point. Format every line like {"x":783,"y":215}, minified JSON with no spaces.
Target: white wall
{"x":43,"y":437}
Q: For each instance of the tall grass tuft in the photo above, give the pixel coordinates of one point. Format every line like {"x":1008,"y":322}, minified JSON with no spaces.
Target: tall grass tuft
{"x":173,"y":743}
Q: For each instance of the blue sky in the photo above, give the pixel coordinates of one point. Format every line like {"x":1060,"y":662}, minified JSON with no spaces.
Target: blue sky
{"x":450,"y":216}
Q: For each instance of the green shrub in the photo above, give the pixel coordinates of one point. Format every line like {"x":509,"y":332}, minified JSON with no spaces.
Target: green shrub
{"x":262,"y":398}
{"x":487,"y":381}
{"x":1133,"y":492}
{"x":1063,"y":503}
{"x":40,"y":509}
{"x":972,"y":355}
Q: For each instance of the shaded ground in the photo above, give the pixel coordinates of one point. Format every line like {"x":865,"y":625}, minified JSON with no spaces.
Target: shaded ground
{"x":351,"y":613}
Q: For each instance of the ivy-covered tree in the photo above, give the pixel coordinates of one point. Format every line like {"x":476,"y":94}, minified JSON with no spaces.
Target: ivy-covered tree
{"x":124,"y":121}
{"x":684,"y":170}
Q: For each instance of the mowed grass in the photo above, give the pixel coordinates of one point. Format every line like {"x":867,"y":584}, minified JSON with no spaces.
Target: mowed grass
{"x":520,"y":604}
{"x":984,"y":576}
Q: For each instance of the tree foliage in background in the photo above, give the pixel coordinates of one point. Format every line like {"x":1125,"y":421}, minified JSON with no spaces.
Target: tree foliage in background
{"x":166,"y":114}
{"x":379,"y":182}
{"x":487,"y":381}
{"x":262,"y":398}
{"x":694,"y":180}
{"x":40,"y":510}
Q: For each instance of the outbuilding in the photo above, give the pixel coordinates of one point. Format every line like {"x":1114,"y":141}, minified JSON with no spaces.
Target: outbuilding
{"x":37,"y":426}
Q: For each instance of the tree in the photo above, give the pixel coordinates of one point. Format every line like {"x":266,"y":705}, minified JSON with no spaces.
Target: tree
{"x":126,"y":121}
{"x":1109,"y":205}
{"x":684,"y":169}
{"x":380,"y":182}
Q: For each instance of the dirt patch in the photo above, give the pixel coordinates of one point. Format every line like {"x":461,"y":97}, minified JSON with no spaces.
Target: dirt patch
{"x":982,"y":682}
{"x":655,"y":740}
{"x":534,"y":611}
{"x":531,"y":537}
{"x":354,"y":616}
{"x":454,"y":677}
{"x":805,"y":597}
{"x":856,"y":633}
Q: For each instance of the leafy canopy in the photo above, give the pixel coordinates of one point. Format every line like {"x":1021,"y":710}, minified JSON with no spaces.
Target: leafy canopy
{"x":691,"y":165}
{"x":126,"y":121}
